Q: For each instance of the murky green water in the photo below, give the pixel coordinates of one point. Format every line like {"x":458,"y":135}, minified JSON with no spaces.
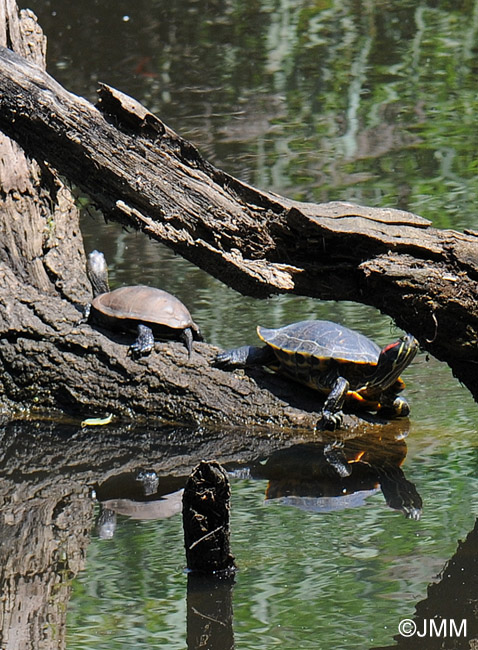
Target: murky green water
{"x":373,"y":102}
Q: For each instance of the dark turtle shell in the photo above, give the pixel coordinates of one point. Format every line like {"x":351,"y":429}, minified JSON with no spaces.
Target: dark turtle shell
{"x":323,"y":341}
{"x":143,"y":304}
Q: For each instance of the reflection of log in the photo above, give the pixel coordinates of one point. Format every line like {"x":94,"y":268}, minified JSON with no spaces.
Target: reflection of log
{"x":43,"y":542}
{"x":209,"y":612}
{"x":43,"y":536}
{"x":453,"y":598}
{"x":47,"y":513}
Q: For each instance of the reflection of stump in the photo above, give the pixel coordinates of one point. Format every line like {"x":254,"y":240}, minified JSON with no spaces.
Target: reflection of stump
{"x":209,"y":612}
{"x":206,"y":519}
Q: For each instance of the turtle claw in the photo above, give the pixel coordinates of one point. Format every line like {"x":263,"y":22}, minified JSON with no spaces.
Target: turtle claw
{"x":413,"y":513}
{"x":144,"y":342}
{"x":243,"y":357}
{"x":136,"y":351}
{"x":335,"y":457}
{"x":401,"y":407}
{"x":223,"y":359}
{"x":398,"y":408}
{"x":330,"y":421}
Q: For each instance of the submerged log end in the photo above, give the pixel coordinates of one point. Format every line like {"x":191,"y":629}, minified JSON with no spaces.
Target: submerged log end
{"x":206,"y":505}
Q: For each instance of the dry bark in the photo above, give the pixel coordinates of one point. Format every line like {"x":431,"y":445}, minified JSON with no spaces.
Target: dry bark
{"x":48,"y":360}
{"x":137,"y":170}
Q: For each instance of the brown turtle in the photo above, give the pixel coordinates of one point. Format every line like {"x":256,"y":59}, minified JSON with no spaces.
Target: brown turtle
{"x":148,"y":311}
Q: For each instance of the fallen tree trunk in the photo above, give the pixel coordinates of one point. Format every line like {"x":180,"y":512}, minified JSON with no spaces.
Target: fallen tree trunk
{"x":140,"y":172}
{"x":49,"y":360}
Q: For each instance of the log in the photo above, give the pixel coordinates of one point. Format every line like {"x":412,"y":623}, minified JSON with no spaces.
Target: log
{"x":50,"y":362}
{"x":139,"y":172}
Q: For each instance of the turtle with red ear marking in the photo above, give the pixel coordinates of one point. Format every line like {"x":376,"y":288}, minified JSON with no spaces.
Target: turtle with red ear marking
{"x":148,"y":311}
{"x":335,"y":360}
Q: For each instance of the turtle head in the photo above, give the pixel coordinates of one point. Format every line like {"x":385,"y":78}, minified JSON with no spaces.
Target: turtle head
{"x":393,"y":360}
{"x":97,"y":273}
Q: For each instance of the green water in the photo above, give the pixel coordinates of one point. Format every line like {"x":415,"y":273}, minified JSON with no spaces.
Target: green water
{"x":373,"y":102}
{"x":307,"y":580}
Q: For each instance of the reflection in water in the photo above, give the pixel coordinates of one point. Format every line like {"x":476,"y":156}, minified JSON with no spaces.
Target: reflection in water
{"x":209,"y":612}
{"x":162,"y":508}
{"x":324,"y":477}
{"x":48,"y":473}
{"x":447,"y":617}
{"x":142,"y":495}
{"x":133,"y":590}
{"x":318,"y":476}
{"x":322,"y":101}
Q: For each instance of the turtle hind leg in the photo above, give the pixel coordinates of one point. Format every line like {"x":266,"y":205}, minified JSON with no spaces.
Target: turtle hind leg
{"x":144,"y":342}
{"x":186,"y":337}
{"x":244,"y":357}
{"x":394,"y":407}
{"x":332,"y":417}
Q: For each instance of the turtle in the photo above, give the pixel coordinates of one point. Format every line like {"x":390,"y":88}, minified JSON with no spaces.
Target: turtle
{"x":149,"y":311}
{"x":337,"y":361}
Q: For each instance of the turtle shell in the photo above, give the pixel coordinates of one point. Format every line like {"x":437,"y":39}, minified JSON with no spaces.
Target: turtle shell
{"x":143,"y":304}
{"x":322,"y":341}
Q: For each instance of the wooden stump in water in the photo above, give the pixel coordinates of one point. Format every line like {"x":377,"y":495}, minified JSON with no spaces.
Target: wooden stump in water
{"x":206,"y":520}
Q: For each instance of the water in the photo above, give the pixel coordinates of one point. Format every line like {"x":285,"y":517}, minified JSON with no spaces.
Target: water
{"x":370,"y":102}
{"x":343,"y":577}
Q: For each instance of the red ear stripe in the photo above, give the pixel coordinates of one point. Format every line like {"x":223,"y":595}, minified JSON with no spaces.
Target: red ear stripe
{"x":390,"y":346}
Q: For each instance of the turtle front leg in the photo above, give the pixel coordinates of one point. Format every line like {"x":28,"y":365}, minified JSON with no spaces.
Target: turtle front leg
{"x":144,"y":342}
{"x":244,"y":357}
{"x":332,"y":417}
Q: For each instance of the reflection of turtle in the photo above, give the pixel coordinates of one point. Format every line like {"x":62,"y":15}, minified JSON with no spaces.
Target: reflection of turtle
{"x":161,"y":507}
{"x":148,"y":311}
{"x":149,"y":481}
{"x":141,"y":494}
{"x":308,"y":477}
{"x":335,"y":360}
